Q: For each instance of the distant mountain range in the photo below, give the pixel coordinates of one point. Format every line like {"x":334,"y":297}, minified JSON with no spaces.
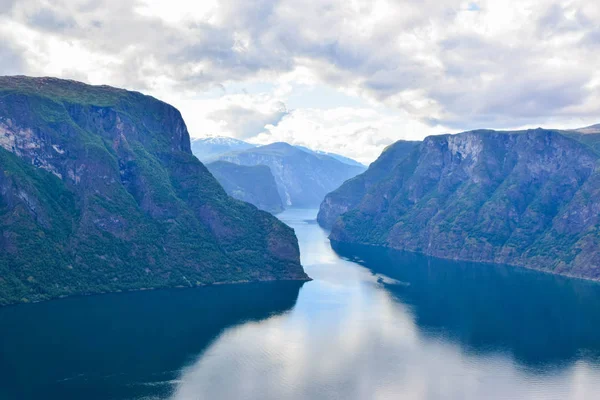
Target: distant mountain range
{"x":590,"y":135}
{"x":302,"y":176}
{"x":345,"y":160}
{"x":526,"y":198}
{"x":592,"y":129}
{"x":209,"y":149}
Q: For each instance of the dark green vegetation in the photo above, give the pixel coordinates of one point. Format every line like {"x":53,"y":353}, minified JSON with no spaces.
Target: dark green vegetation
{"x":100,"y":192}
{"x":252,"y":184}
{"x":303,"y":177}
{"x":351,"y":193}
{"x":528,"y":198}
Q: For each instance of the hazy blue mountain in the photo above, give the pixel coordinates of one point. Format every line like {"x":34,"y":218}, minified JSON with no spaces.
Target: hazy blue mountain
{"x":253,"y":184}
{"x":592,"y":129}
{"x":345,"y":160}
{"x":100,"y":192}
{"x":590,"y":135}
{"x":209,"y":149}
{"x":303,"y":177}
{"x":527,"y":198}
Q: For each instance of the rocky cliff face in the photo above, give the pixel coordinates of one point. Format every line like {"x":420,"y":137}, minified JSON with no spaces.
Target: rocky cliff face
{"x":303,"y":178}
{"x":252,"y":184}
{"x":352,"y":192}
{"x":527,"y":198}
{"x":99,"y":192}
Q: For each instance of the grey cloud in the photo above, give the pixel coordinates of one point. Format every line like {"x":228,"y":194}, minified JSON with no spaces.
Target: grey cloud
{"x":430,"y":121}
{"x":339,"y":54}
{"x":388,"y":82}
{"x":554,"y":21}
{"x":475,"y":49}
{"x":471,"y":77}
{"x":6,"y":5}
{"x":520,"y":87}
{"x":375,"y":140}
{"x":523,"y":101}
{"x":244,"y":122}
{"x":592,"y":38}
{"x":11,"y":60}
{"x":216,"y":46}
{"x":89,"y":5}
{"x":49,"y":20}
{"x":534,"y":98}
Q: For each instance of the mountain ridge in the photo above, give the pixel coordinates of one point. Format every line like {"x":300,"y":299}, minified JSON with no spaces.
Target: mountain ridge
{"x":226,"y":144}
{"x":592,"y":129}
{"x":208,"y":149}
{"x":351,"y":192}
{"x":100,"y":193}
{"x":525,"y":198}
{"x":303,"y":178}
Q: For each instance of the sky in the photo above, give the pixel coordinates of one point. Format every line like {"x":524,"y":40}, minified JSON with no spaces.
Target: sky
{"x":346,"y":76}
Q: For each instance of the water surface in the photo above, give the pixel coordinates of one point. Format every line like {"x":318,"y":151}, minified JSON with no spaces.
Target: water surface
{"x":374,"y":324}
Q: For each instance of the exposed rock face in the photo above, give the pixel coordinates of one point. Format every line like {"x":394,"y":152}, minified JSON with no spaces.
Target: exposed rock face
{"x":529,"y":198}
{"x":352,"y":192}
{"x":100,"y":192}
{"x":252,"y":184}
{"x":303,"y":177}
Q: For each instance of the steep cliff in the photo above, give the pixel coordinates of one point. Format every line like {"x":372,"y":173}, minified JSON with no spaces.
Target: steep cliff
{"x":252,"y":184}
{"x":528,"y":198}
{"x":303,"y":177}
{"x":351,"y":193}
{"x":100,"y":192}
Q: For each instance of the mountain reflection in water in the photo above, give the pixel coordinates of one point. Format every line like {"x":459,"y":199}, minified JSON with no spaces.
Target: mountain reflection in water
{"x":122,"y":346}
{"x":381,"y":324}
{"x":373,"y":324}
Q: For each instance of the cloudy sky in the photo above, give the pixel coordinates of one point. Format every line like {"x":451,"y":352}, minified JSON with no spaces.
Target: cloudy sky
{"x":349,"y":76}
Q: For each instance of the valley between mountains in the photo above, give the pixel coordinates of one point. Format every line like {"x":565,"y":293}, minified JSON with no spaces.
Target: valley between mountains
{"x":101,"y":192}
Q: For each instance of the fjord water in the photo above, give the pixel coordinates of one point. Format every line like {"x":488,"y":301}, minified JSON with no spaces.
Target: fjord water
{"x":373,"y":324}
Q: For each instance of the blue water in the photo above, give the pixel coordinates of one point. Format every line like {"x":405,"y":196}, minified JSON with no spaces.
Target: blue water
{"x":373,"y":324}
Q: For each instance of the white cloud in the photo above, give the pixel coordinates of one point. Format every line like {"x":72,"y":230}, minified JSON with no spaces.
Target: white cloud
{"x":417,"y":67}
{"x":360,"y":133}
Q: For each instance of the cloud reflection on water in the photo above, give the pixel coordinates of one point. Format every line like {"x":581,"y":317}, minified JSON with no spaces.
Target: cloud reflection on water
{"x":352,"y":336}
